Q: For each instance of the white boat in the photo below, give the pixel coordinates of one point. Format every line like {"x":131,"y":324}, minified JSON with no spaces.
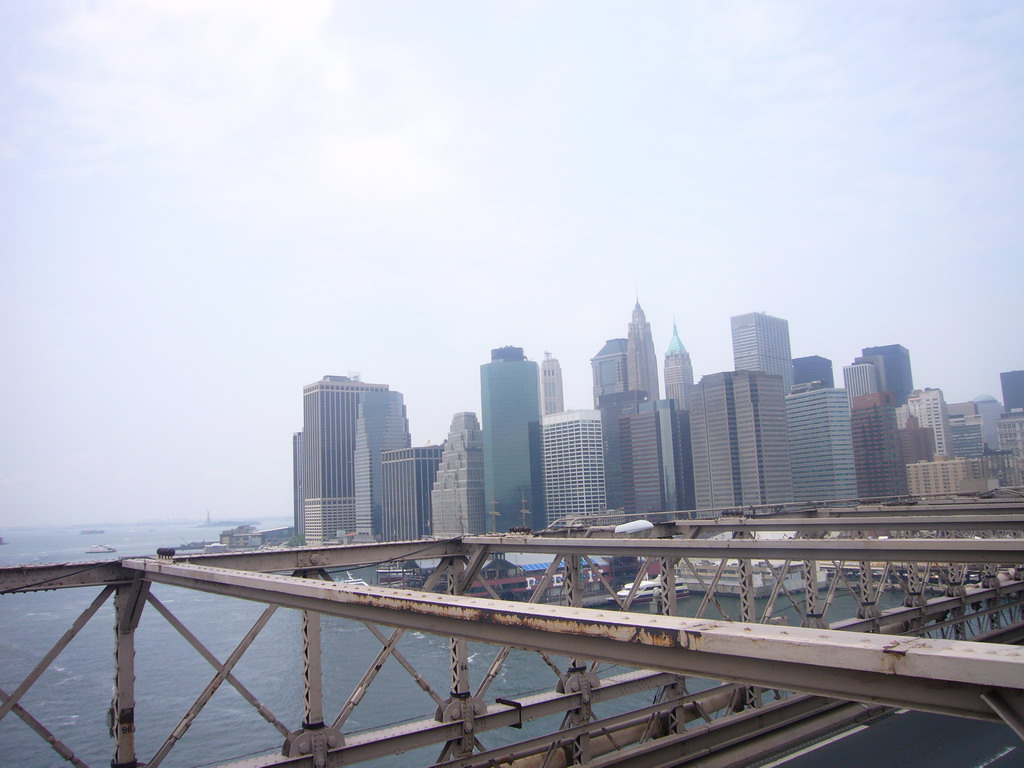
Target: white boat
{"x":646,"y":591}
{"x":351,"y":581}
{"x":97,"y":548}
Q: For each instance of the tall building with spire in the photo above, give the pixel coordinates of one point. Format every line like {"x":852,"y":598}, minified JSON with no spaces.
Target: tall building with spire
{"x":678,"y":372}
{"x":551,"y":395}
{"x":641,"y":361}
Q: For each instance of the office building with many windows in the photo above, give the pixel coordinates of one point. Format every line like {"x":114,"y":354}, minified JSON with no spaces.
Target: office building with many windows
{"x":382,"y":426}
{"x":760,"y":342}
{"x":330,"y":409}
{"x":877,"y":454}
{"x":551,"y":385}
{"x":573,"y":464}
{"x":298,"y":513}
{"x":740,"y":441}
{"x":1013,"y":389}
{"x":860,"y":379}
{"x":821,"y":445}
{"x":513,"y":470}
{"x":614,"y":407}
{"x":656,"y":463}
{"x":609,"y":369}
{"x":407,"y":477}
{"x":457,"y":498}
{"x":929,"y":407}
{"x":807,"y":370}
{"x":892,"y":368}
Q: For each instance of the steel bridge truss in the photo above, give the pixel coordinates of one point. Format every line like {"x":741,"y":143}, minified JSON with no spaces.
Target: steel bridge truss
{"x":948,"y":649}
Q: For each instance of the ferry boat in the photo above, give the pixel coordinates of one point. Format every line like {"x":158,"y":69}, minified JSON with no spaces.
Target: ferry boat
{"x":97,"y":548}
{"x":648,"y":589}
{"x":351,"y":581}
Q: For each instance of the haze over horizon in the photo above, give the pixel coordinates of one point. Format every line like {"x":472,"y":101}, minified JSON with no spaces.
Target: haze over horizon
{"x":208,"y":206}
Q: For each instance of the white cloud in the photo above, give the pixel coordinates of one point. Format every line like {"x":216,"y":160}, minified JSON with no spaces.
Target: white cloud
{"x":231,"y":96}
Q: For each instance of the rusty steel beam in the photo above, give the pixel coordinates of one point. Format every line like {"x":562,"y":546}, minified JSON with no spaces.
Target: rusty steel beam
{"x":39,"y":578}
{"x":881,"y":524}
{"x":316,"y":558}
{"x":943,"y":676}
{"x":995,"y":551}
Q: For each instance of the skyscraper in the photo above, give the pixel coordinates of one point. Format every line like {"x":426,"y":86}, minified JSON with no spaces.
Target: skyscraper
{"x":929,"y":407}
{"x":381,"y":426}
{"x":1013,"y":389}
{"x":513,"y":473}
{"x":740,"y":444}
{"x":1011,"y":432}
{"x":966,"y":436}
{"x":641,"y":360}
{"x":407,"y":476}
{"x":892,"y":367}
{"x":613,"y":407}
{"x":917,"y":443}
{"x":678,"y":371}
{"x":821,"y":445}
{"x":457,"y":499}
{"x":760,"y":342}
{"x":813,"y":368}
{"x":876,"y":446}
{"x":298,"y":494}
{"x":655,"y":458}
{"x":551,"y":385}
{"x":860,"y":379}
{"x":609,"y":368}
{"x":573,"y":464}
{"x":989,"y":409}
{"x":330,"y":412}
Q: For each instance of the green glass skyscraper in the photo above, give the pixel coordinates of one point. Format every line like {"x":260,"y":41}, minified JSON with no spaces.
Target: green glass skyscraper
{"x":513,"y":469}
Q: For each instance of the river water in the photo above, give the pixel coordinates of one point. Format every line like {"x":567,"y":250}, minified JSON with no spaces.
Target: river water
{"x":73,"y":695}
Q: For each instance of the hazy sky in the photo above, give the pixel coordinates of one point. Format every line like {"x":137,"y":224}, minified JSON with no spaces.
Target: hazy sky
{"x":206,"y":206}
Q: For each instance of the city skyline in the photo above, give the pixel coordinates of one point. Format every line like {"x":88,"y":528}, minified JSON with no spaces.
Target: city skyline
{"x":326,"y":189}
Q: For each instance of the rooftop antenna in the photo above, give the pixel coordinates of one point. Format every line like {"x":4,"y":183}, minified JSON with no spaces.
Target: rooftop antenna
{"x":493,"y":512}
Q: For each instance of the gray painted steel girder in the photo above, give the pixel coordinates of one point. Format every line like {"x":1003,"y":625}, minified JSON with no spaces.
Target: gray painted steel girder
{"x":996,"y":551}
{"x":943,"y":676}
